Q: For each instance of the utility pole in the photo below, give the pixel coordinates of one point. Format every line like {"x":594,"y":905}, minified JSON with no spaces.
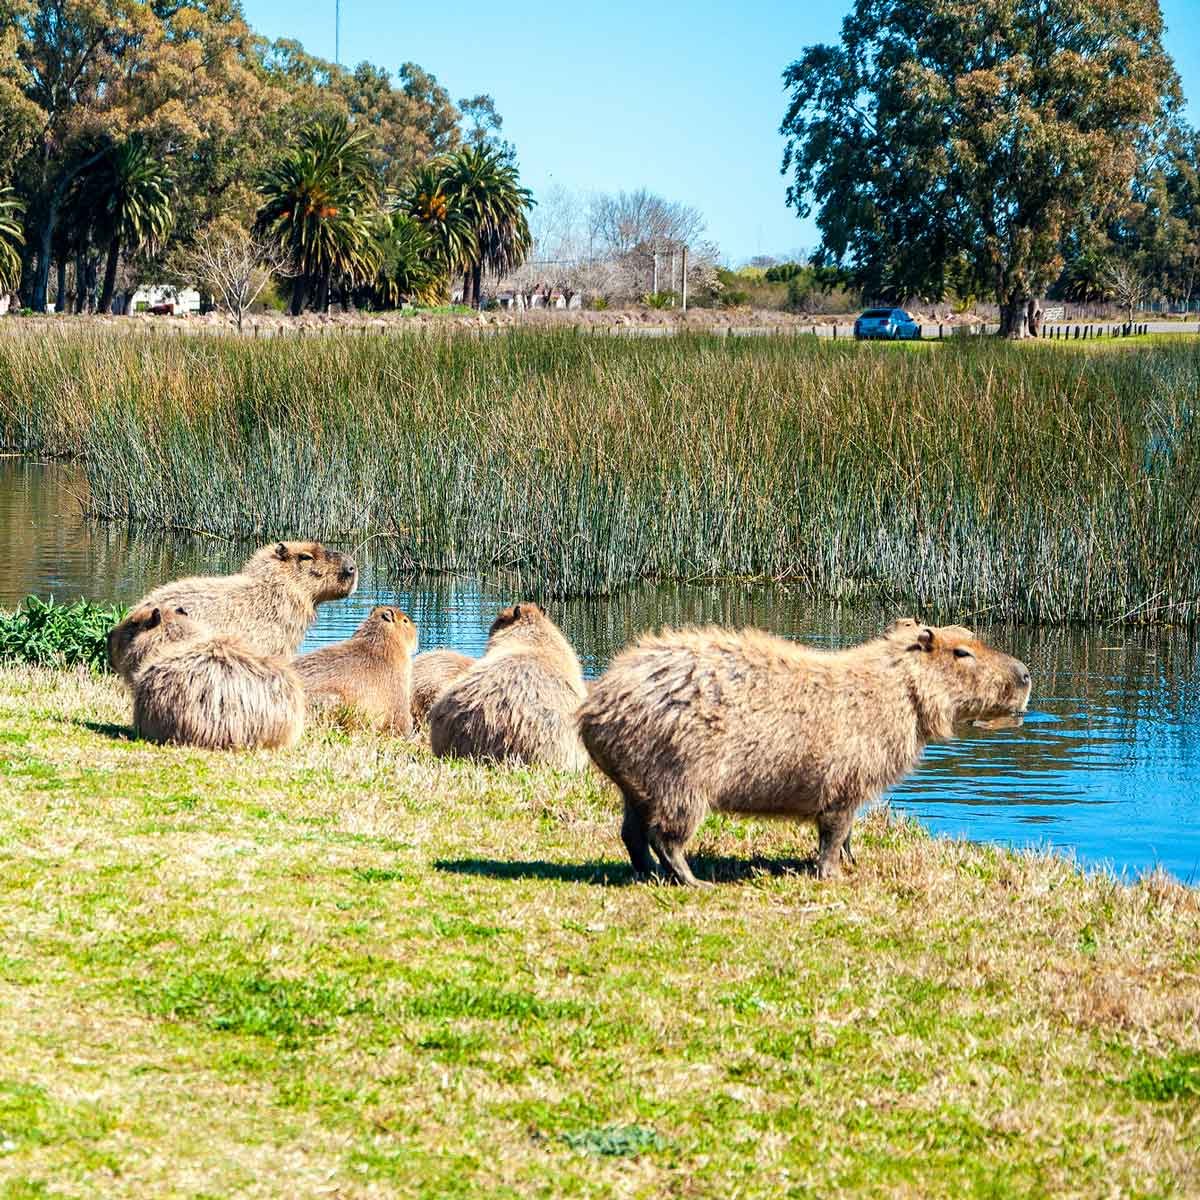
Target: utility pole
{"x":685,"y":279}
{"x":655,"y":288}
{"x":337,"y":32}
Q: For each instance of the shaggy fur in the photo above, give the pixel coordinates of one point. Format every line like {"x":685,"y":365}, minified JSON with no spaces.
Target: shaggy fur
{"x":197,"y":688}
{"x":518,"y":701}
{"x":432,"y":671}
{"x":745,"y":722}
{"x":272,"y":601}
{"x":371,"y":672}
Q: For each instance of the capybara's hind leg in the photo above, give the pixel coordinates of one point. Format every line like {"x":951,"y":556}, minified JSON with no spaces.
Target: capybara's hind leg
{"x":847,"y":853}
{"x":833,"y":830}
{"x":636,"y":838}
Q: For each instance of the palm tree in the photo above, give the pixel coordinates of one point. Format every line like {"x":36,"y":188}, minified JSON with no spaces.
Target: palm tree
{"x":318,"y":204}
{"x":409,"y":269}
{"x":130,"y":192}
{"x":11,"y":236}
{"x":424,"y":197}
{"x":484,"y":183}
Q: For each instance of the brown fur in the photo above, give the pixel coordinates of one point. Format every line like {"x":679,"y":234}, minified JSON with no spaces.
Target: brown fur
{"x":271,"y":601}
{"x":518,"y":701}
{"x":745,"y":722}
{"x":128,"y":649}
{"x":371,"y":672}
{"x":198,"y":688}
{"x":432,"y":671}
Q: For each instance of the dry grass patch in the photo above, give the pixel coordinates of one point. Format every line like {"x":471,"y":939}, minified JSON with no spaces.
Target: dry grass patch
{"x":352,"y":969}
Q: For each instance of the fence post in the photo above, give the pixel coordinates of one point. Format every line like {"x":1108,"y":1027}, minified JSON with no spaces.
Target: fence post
{"x":835,"y":331}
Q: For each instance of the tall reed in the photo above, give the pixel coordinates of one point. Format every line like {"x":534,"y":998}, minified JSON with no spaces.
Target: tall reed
{"x":1032,"y":482}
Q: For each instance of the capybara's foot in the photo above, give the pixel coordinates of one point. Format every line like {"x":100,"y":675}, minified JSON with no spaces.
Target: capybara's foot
{"x":676,"y":866}
{"x":828,"y":868}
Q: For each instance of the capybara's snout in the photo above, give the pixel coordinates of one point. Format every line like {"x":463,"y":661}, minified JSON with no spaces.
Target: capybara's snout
{"x":1023,"y":684}
{"x":348,"y":573}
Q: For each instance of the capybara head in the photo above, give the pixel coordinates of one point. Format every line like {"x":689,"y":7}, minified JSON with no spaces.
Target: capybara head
{"x":144,"y":632}
{"x":391,"y":625}
{"x":526,"y":613}
{"x":320,"y":573}
{"x":958,"y":677}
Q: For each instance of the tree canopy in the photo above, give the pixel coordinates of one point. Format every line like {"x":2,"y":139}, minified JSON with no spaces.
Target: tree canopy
{"x":958,"y":145}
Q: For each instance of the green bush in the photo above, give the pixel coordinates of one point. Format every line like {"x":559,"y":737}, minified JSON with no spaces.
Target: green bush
{"x":659,"y":300}
{"x":58,"y":635}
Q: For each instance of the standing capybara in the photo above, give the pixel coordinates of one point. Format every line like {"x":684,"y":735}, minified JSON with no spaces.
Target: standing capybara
{"x":271,"y":601}
{"x":199,"y":688}
{"x":518,"y":701}
{"x":432,"y":671}
{"x":370,"y":672}
{"x":695,"y":719}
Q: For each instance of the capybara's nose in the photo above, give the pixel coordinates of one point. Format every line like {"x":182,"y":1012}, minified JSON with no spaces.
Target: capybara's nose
{"x":1022,"y":673}
{"x":349,"y":569}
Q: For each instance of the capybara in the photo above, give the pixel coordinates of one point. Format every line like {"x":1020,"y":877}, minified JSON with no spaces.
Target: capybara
{"x":200,"y":688}
{"x":432,"y":671}
{"x":128,"y":649}
{"x":271,"y":601}
{"x":518,"y":701}
{"x":694,"y":719}
{"x":370,"y":672}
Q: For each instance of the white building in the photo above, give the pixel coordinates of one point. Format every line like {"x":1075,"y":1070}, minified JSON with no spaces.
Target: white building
{"x":184,"y":301}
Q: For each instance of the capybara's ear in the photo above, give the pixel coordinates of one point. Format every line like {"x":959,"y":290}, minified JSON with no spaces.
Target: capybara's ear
{"x":154,"y":619}
{"x":183,"y":612}
{"x":516,"y":612}
{"x":387,"y":614}
{"x":281,"y":552}
{"x":925,"y":638}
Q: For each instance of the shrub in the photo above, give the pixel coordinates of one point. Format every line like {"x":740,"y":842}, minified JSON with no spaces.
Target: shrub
{"x":58,"y":635}
{"x":659,"y":300}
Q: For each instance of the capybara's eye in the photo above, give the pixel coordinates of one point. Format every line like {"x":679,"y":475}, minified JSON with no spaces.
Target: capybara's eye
{"x":304,"y":558}
{"x":962,"y":652}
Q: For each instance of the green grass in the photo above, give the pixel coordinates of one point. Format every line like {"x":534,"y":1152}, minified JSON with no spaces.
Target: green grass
{"x":58,"y":635}
{"x":1041,"y":482}
{"x":354,"y":970}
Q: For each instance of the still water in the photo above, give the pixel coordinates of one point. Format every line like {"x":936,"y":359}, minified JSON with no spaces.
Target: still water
{"x":1106,"y":766}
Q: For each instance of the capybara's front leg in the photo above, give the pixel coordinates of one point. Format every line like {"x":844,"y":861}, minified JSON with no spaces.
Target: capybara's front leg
{"x":671,"y":854}
{"x":833,"y":830}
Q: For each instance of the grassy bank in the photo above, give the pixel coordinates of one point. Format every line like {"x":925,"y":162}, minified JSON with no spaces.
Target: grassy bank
{"x":352,"y":970}
{"x":1036,"y":482}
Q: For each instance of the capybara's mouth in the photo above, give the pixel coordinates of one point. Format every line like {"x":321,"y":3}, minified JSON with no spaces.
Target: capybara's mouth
{"x":1011,"y":720}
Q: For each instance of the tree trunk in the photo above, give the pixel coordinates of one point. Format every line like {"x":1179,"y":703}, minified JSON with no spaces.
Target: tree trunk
{"x":1033,"y":316}
{"x":477,"y":285}
{"x":110,"y":274}
{"x":80,"y":281}
{"x":41,"y":279}
{"x":466,"y":296}
{"x":1014,"y":315}
{"x":298,"y":289}
{"x":60,"y":300}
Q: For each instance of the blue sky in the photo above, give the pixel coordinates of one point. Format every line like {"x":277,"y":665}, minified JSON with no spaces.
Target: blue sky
{"x":684,"y":99}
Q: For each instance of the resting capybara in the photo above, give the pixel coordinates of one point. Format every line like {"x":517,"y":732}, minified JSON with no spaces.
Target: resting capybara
{"x":128,"y":649}
{"x":518,"y":701}
{"x":432,"y":671}
{"x":695,"y":719}
{"x":370,"y":672}
{"x":271,"y":601}
{"x":199,"y":688}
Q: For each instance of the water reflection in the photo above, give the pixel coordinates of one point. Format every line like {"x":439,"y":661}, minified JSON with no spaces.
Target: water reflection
{"x":1106,"y":766}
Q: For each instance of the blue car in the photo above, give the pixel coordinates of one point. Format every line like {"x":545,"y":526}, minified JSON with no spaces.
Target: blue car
{"x":893,"y":324}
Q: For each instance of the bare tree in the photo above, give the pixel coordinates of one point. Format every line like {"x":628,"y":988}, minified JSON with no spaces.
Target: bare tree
{"x":233,"y":264}
{"x":1128,"y":285}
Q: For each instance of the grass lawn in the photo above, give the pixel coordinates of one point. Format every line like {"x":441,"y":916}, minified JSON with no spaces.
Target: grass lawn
{"x":351,"y":970}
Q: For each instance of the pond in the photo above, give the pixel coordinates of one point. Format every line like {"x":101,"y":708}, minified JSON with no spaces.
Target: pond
{"x":1106,"y":766}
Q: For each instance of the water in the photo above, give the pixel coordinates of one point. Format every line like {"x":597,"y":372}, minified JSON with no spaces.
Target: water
{"x":1106,"y":766}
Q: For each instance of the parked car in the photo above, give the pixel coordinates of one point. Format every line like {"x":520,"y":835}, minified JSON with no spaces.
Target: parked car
{"x":891,"y":323}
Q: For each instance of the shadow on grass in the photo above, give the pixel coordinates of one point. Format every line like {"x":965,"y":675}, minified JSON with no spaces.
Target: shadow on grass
{"x":119,"y":733}
{"x":710,"y":868}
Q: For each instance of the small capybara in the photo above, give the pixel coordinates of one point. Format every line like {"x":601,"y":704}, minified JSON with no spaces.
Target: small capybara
{"x":128,"y":649}
{"x":198,"y":688}
{"x":518,"y":701}
{"x":694,"y":719}
{"x":432,"y":671}
{"x":271,"y":601}
{"x":370,"y":672}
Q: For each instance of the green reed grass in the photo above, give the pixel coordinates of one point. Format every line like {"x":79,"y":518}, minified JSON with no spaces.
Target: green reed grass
{"x":1031,"y":482}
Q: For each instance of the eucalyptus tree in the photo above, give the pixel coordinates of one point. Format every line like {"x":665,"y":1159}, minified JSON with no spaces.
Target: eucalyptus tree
{"x":957,"y":144}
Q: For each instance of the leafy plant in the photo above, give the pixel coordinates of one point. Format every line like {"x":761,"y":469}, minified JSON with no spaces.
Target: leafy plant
{"x":58,"y":635}
{"x":615,"y":1141}
{"x":660,"y":300}
{"x":11,"y":238}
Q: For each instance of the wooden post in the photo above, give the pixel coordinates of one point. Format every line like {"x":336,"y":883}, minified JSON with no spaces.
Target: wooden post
{"x":685,"y":279}
{"x":939,"y":331}
{"x":835,"y":331}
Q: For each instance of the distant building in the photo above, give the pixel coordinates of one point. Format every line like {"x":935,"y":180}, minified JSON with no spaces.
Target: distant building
{"x":184,"y":301}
